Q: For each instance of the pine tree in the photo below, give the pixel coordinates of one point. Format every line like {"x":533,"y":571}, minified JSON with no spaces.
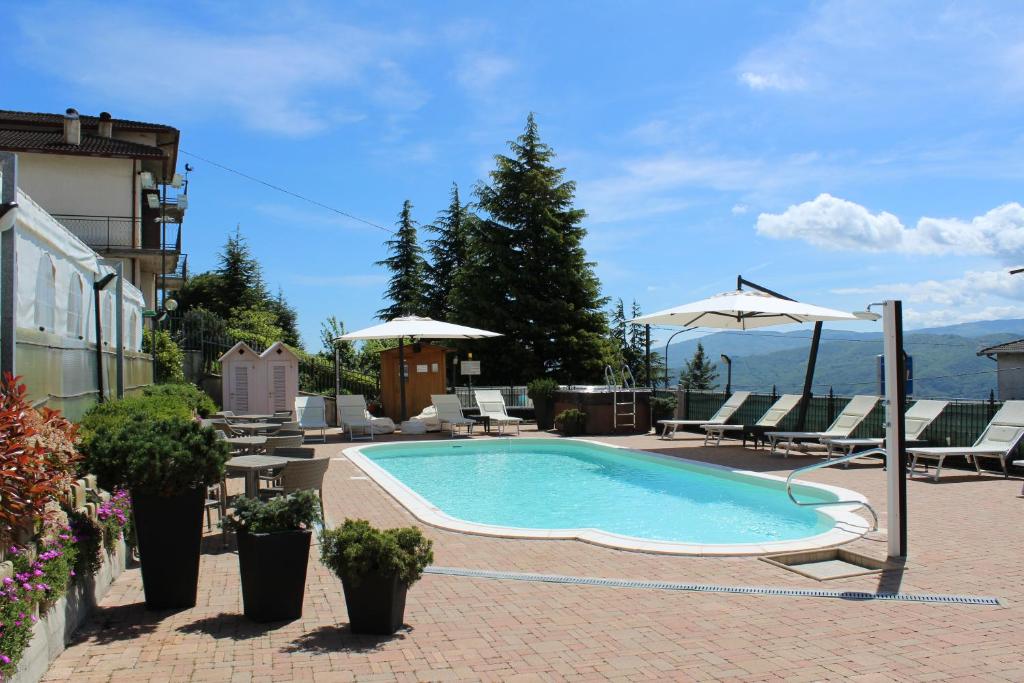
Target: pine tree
{"x":699,"y":372}
{"x":286,"y":318}
{"x":617,"y":326}
{"x":241,"y":283}
{"x":449,"y":252}
{"x":530,"y":272}
{"x":407,"y":287}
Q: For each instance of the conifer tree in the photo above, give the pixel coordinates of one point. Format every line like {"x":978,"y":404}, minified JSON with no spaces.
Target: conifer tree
{"x":699,"y":372}
{"x":407,"y":287}
{"x":530,"y":275}
{"x":241,"y":278}
{"x":449,"y":252}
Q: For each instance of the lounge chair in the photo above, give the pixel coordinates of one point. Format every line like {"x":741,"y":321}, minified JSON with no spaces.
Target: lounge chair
{"x":354,"y":417}
{"x":492,"y":406}
{"x":852,"y":415}
{"x":778,"y":411}
{"x":1000,"y":437}
{"x":311,"y":413}
{"x":720,"y":417}
{"x":917,"y":419}
{"x":449,"y":412}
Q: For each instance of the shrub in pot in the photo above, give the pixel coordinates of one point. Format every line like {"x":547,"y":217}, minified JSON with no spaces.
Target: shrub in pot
{"x":662,"y":408}
{"x":542,"y":392}
{"x":571,"y":422}
{"x":376,"y":568}
{"x":166,"y":464}
{"x":273,"y":552}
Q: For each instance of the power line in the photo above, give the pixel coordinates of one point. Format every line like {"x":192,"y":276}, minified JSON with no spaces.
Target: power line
{"x":286,"y":191}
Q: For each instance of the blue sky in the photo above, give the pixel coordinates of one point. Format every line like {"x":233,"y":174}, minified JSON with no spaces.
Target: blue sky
{"x":839,"y":152}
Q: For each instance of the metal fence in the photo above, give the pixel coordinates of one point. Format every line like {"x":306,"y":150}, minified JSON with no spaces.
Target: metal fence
{"x":960,"y":424}
{"x":515,"y":397}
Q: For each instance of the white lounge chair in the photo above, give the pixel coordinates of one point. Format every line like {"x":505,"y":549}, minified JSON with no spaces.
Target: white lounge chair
{"x":721,"y":416}
{"x":449,"y":412}
{"x":778,"y":411}
{"x":492,"y":406}
{"x":1000,"y":437}
{"x":311,"y":413}
{"x":354,"y":417}
{"x":852,"y":415}
{"x":917,"y":419}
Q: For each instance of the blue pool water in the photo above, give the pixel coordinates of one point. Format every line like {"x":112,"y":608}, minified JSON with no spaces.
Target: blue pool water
{"x":549,"y":484}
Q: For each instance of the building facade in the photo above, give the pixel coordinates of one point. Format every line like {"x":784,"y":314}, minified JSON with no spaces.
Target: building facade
{"x":113,"y":183}
{"x":1009,"y":358}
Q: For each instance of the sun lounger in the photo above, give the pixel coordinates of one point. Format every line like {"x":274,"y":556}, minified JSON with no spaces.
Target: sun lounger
{"x":999,"y":439}
{"x":311,"y":413}
{"x":770,"y":420}
{"x":492,"y":406}
{"x":449,"y":412}
{"x":720,"y":417}
{"x":916,"y":420}
{"x":354,"y":417}
{"x":852,"y":415}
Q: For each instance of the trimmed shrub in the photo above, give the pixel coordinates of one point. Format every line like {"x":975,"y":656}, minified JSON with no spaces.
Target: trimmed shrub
{"x":356,"y":550}
{"x":571,"y":422}
{"x":189,"y":394}
{"x":296,"y":511}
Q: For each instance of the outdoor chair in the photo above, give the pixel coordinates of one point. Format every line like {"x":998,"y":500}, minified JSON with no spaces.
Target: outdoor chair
{"x":275,"y":442}
{"x":449,"y":412}
{"x":311,"y":412}
{"x":721,"y":416}
{"x":291,"y":452}
{"x":283,"y":413}
{"x":290,"y":425}
{"x":778,"y":411}
{"x":842,"y":427}
{"x":917,"y":419}
{"x":492,"y":406}
{"x":999,"y":439}
{"x":354,"y":417}
{"x":300,"y":475}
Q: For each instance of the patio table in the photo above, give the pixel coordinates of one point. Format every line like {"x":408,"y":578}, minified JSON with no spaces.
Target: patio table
{"x":252,"y":465}
{"x":252,"y":417}
{"x":255,"y":427}
{"x":247,"y":443}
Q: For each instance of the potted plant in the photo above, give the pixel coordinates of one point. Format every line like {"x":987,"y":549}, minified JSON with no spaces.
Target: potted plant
{"x":166,"y":464}
{"x":542,"y":392}
{"x":376,"y":568}
{"x":662,"y":408}
{"x":273,"y":552}
{"x":571,"y":422}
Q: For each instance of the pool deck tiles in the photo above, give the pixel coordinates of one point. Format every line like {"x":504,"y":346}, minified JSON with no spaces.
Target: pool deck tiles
{"x":965,"y":538}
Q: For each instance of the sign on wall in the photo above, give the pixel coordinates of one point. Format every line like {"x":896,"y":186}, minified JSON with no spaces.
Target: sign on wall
{"x":470,"y":367}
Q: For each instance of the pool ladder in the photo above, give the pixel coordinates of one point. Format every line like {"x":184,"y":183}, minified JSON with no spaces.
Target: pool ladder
{"x":622,"y":385}
{"x":829,"y":463}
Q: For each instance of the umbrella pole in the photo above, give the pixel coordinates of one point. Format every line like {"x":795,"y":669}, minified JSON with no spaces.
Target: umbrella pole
{"x":401,"y":377}
{"x":812,"y":359}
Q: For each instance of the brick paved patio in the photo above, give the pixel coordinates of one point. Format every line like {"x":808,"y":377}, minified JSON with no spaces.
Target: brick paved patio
{"x":966,"y":537}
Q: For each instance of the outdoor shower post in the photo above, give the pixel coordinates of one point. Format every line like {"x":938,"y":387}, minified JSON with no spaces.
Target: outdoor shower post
{"x":895,"y":433}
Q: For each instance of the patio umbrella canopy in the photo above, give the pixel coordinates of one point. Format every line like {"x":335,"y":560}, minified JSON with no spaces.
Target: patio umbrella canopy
{"x":742,"y":310}
{"x":415,"y":327}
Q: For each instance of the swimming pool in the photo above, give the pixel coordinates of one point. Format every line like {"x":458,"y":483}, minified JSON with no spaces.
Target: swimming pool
{"x":573,"y":488}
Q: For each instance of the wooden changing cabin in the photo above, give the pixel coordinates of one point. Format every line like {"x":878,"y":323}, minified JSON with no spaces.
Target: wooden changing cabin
{"x":425,"y":375}
{"x":259,"y":383}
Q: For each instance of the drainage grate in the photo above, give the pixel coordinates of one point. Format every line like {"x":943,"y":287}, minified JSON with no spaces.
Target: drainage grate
{"x":711,"y":588}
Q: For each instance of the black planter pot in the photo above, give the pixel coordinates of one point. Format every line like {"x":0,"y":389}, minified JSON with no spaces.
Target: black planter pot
{"x":376,"y":605}
{"x":170,"y":532}
{"x":545,"y":412}
{"x":273,"y":568}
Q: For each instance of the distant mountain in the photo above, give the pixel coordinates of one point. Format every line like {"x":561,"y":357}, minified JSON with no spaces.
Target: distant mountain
{"x":945,"y":358}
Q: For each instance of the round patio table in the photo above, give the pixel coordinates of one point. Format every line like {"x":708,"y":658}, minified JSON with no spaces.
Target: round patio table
{"x":252,"y":417}
{"x":255,"y":427}
{"x":252,"y":465}
{"x":247,"y":443}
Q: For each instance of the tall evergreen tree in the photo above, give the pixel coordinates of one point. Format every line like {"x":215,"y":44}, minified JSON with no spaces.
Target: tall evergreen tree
{"x":699,"y":373}
{"x":449,"y":252}
{"x":407,"y":287}
{"x":529,"y":274}
{"x":241,"y":277}
{"x":285,"y":317}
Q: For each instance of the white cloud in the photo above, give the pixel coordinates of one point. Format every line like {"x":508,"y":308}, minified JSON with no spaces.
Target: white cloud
{"x":479,"y":73}
{"x":740,"y":209}
{"x":772,"y":81}
{"x":274,"y":75}
{"x":838,"y":224}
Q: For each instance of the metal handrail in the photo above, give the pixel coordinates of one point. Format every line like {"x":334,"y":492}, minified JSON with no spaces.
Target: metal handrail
{"x":628,"y":380}
{"x":609,"y":378}
{"x":829,"y":463}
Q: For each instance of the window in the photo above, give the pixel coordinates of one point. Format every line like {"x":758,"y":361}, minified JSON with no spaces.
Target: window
{"x":76,"y":293}
{"x":46,"y":293}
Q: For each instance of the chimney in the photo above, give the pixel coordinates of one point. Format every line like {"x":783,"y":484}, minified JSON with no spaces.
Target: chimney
{"x":72,"y":128}
{"x":106,"y":128}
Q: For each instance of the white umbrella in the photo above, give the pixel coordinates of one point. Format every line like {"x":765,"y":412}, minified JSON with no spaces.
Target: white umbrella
{"x":742,"y":310}
{"x":418,"y":328}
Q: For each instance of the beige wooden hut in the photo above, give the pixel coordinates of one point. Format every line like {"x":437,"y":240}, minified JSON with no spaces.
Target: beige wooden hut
{"x":281,"y":372}
{"x":243,"y":380}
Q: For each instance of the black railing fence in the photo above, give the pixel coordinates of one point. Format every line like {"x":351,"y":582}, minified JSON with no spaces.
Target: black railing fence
{"x":960,"y":424}
{"x":316,"y":373}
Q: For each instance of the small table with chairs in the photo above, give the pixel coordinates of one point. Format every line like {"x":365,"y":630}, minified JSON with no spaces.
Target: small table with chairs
{"x":252,"y":465}
{"x":247,"y":444}
{"x":255,"y":427}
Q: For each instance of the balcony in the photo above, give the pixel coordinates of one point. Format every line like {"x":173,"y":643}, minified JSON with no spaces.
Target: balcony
{"x":119,"y":236}
{"x":175,"y":278}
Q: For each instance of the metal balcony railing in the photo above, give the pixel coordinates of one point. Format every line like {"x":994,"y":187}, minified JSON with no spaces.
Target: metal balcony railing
{"x":101,"y":231}
{"x":181,"y":272}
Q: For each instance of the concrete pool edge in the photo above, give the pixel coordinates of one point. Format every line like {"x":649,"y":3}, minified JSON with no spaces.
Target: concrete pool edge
{"x":848,"y":526}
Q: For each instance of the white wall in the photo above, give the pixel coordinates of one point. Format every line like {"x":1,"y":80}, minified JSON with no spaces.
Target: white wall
{"x":92,"y":186}
{"x":1011,"y":376}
